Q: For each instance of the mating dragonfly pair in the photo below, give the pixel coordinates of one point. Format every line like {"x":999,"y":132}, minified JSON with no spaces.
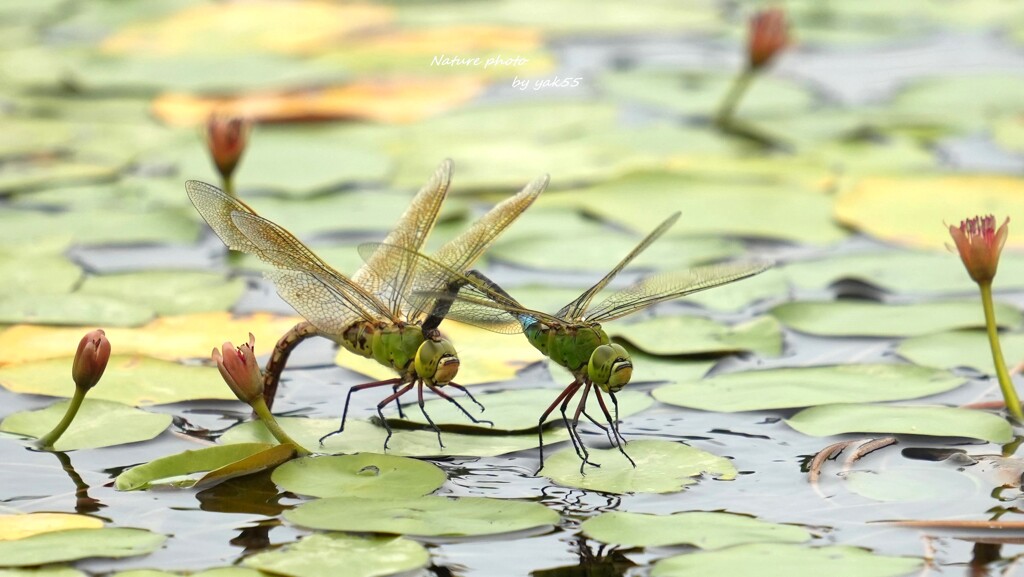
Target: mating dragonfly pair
{"x":391,"y":308}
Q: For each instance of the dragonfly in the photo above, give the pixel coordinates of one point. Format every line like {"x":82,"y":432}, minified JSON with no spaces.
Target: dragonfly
{"x":370,"y":314}
{"x":572,"y":337}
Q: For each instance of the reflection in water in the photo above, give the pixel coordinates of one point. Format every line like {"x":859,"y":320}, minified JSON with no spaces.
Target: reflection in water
{"x":982,"y":555}
{"x":606,"y":561}
{"x":84,"y":504}
{"x":255,"y":494}
{"x":257,"y":538}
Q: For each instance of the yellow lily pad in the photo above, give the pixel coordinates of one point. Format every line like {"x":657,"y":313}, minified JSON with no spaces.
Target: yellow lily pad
{"x":20,"y":526}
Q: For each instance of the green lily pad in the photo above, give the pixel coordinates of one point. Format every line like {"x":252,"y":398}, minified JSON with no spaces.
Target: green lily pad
{"x":369,"y":475}
{"x":78,"y":544}
{"x":827,"y":420}
{"x":42,"y":572}
{"x":217,"y":572}
{"x":219,"y":463}
{"x":705,"y":530}
{"x":37,"y":274}
{"x":661,"y":467}
{"x":807,"y":386}
{"x":662,"y":336}
{"x":514,"y":411}
{"x":338,"y":554}
{"x":99,"y":227}
{"x":709,"y":208}
{"x":129,"y":379}
{"x":364,"y":437}
{"x":422,"y":516}
{"x":976,"y":98}
{"x":959,"y":349}
{"x":168,"y":292}
{"x":72,"y":309}
{"x":913,"y":485}
{"x":98,"y":424}
{"x":760,"y":559}
{"x":856,"y":318}
{"x":22,"y":175}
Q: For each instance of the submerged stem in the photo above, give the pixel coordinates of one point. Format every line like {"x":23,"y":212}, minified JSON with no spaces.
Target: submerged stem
{"x":47,"y":440}
{"x":1005,"y":384}
{"x":259,"y":406}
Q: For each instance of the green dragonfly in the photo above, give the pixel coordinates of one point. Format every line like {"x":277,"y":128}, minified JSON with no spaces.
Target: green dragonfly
{"x":571,"y":337}
{"x":370,"y":314}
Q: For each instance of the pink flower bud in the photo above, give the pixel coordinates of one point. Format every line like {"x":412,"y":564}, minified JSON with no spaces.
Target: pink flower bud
{"x":90,"y":359}
{"x":768,"y":36}
{"x":979,"y":245}
{"x":226,"y":138}
{"x":240,"y":371}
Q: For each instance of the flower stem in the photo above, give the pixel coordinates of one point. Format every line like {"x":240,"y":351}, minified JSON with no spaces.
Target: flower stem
{"x":259,"y":406}
{"x":229,"y":186}
{"x":732,"y":98}
{"x":1005,"y":384}
{"x":47,"y":440}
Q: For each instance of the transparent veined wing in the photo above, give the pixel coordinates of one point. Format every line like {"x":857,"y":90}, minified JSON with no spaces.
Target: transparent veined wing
{"x":216,"y":207}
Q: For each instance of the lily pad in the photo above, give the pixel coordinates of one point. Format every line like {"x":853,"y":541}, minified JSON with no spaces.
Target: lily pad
{"x":73,"y":309}
{"x":37,"y":274}
{"x":132,"y":380}
{"x":665,"y":336}
{"x":760,"y":559}
{"x":705,"y":530}
{"x":959,"y":349}
{"x":856,"y":318}
{"x":913,"y":485}
{"x":217,"y":572}
{"x":807,"y":386}
{"x":118,"y":227}
{"x":52,"y":571}
{"x":369,"y":475}
{"x":338,"y":554}
{"x":515,"y":411}
{"x":219,"y":463}
{"x":19,"y":526}
{"x":422,"y":516}
{"x":78,"y":544}
{"x":168,"y":292}
{"x":364,"y":437}
{"x":98,"y":424}
{"x":827,"y":420}
{"x":661,"y":467}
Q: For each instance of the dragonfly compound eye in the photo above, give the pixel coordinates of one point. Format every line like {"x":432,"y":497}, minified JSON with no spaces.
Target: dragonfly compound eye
{"x":436,"y":361}
{"x":610,"y":367}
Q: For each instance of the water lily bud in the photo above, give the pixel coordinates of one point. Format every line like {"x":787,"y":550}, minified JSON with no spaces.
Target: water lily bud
{"x":769,"y":35}
{"x":90,"y":359}
{"x":240,"y":370}
{"x":226,"y":138}
{"x":979,"y":245}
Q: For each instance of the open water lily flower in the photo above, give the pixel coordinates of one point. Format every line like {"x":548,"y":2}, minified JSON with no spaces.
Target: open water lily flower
{"x":980,"y":244}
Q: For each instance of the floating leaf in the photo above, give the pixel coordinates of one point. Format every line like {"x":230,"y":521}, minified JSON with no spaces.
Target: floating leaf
{"x":97,"y":424}
{"x":218,"y":572}
{"x":172,"y":338}
{"x":37,"y":274}
{"x":977,"y":98}
{"x":422,"y":516}
{"x":119,"y":227}
{"x":911,"y":485}
{"x":13,"y":527}
{"x":364,"y":437}
{"x":661,"y":467}
{"x":73,"y":309}
{"x":168,"y":292}
{"x":857,"y":318}
{"x":665,"y":336}
{"x":131,"y":380}
{"x":339,"y":554}
{"x":701,"y":529}
{"x":807,"y":386}
{"x":78,"y":544}
{"x":513,"y":411}
{"x":220,"y":463}
{"x":911,"y":210}
{"x":785,"y":559}
{"x":369,"y":475}
{"x":959,"y":349}
{"x":826,"y":420}
{"x":51,"y":571}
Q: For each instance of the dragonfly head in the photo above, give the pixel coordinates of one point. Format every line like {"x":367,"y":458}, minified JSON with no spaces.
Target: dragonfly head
{"x":436,"y":361}
{"x":610,"y":367}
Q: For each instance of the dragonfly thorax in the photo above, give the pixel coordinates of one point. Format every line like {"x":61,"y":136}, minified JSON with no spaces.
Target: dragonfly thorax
{"x":571,"y":346}
{"x":396,"y":346}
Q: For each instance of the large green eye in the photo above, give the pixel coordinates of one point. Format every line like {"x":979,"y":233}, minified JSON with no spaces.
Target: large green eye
{"x":436,"y":361}
{"x":610,"y":367}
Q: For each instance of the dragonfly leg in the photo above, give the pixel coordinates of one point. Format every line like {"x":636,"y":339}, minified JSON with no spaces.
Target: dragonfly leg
{"x":398,"y":405}
{"x":448,"y":398}
{"x":598,"y":424}
{"x":575,"y":424}
{"x":540,"y":423}
{"x":279,"y":356}
{"x":419,"y":393}
{"x":574,"y":434}
{"x":619,"y":441}
{"x":344,"y":414}
{"x":384,"y":403}
{"x":468,"y":394}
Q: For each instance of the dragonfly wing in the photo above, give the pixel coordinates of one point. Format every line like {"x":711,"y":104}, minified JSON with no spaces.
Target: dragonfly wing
{"x":671,"y":285}
{"x":216,"y":208}
{"x":391,"y":279}
{"x":315,"y":300}
{"x":574,"y":310}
